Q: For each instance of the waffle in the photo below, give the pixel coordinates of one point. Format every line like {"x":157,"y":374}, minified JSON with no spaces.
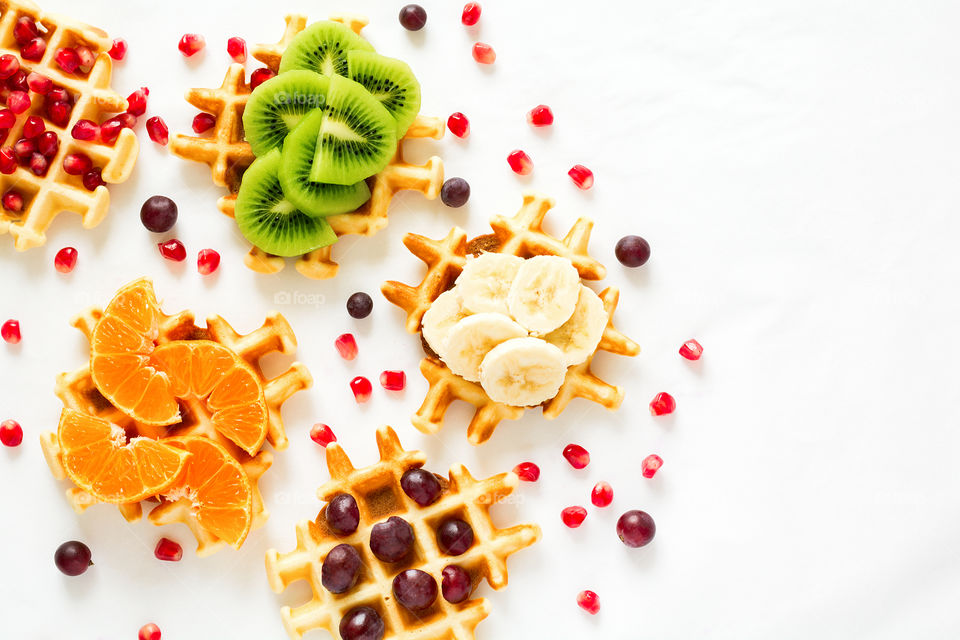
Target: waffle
{"x":77,"y":391}
{"x":47,"y":196}
{"x":522,"y":235}
{"x":228,"y":155}
{"x":378,"y":494}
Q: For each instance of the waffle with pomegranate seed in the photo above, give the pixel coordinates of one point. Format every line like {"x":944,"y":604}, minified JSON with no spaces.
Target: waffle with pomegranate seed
{"x":77,"y":391}
{"x":521,"y":235}
{"x":46,"y":196}
{"x":379,"y":496}
{"x":229,"y":155}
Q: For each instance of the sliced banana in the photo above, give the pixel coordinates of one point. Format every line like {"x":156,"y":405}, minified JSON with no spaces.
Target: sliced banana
{"x":485,"y":282}
{"x":523,"y":372}
{"x":544,"y":293}
{"x":579,"y":336}
{"x":470,"y":339}
{"x":437,"y":321}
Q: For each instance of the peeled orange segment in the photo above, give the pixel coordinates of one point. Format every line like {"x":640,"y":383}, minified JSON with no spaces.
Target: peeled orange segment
{"x":224,"y":383}
{"x":217,"y":487}
{"x":120,"y":363}
{"x":97,"y":457}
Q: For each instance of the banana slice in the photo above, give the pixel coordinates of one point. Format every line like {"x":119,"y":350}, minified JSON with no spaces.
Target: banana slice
{"x":544,"y":293}
{"x":485,"y":282}
{"x":523,"y":372}
{"x":437,"y":321}
{"x":470,"y":339}
{"x":579,"y":336}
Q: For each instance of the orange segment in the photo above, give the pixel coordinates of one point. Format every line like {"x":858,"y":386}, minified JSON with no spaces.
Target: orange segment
{"x":217,"y":487}
{"x":226,"y":385}
{"x":99,"y":460}
{"x":120,"y":365}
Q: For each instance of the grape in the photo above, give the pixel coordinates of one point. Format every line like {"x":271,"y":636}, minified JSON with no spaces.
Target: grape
{"x":415,"y":589}
{"x":413,"y":17}
{"x":72,"y":558}
{"x":455,"y":537}
{"x":340,"y":569}
{"x":359,"y":305}
{"x":636,"y":528}
{"x":361,"y":623}
{"x":343,"y":514}
{"x":392,"y":540}
{"x":456,"y":584}
{"x":158,"y":214}
{"x":632,"y":251}
{"x":422,"y":486}
{"x":455,"y":192}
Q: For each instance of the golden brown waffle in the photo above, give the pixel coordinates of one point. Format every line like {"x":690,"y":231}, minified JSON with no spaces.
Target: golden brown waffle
{"x":47,"y":196}
{"x":521,"y":235}
{"x":229,"y":155}
{"x":379,"y":496}
{"x":77,"y":391}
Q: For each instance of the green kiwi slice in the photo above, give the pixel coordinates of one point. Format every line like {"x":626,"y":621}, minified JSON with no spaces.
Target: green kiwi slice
{"x":322,"y":47}
{"x":391,"y":82}
{"x":358,"y":136}
{"x":271,"y":222}
{"x":277,"y":106}
{"x":314,"y":198}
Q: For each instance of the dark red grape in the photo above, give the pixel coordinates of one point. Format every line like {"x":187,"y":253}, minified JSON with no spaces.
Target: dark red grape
{"x":456,"y":584}
{"x":158,"y":214}
{"x":455,"y":192}
{"x":413,"y":17}
{"x":341,"y":568}
{"x":361,"y":623}
{"x":392,"y":540}
{"x":632,"y":251}
{"x":454,"y":537}
{"x":359,"y":305}
{"x":422,"y":486}
{"x":343,"y":514}
{"x":415,"y":589}
{"x":636,"y":528}
{"x":72,"y":558}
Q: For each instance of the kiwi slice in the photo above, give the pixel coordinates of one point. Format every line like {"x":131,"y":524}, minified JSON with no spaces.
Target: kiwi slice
{"x":322,"y":47}
{"x":277,"y":106}
{"x":270,"y":221}
{"x":314,"y":198}
{"x":358,"y":136}
{"x":391,"y":82}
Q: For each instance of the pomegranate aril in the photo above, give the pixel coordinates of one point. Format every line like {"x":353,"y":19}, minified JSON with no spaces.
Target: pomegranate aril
{"x":573,"y":517}
{"x":471,"y":14}
{"x":85,"y":130}
{"x":149,"y":632}
{"x":7,"y":118}
{"x":11,"y":433}
{"x":24,"y":148}
{"x":59,"y":113}
{"x":691,"y":349}
{"x":662,"y":404}
{"x":520,"y":162}
{"x":93,"y":179}
{"x":67,"y":59}
{"x":39,"y":165}
{"x":527,"y":471}
{"x":237,"y":49}
{"x":581,"y":176}
{"x":25,"y":30}
{"x":137,"y":101}
{"x":168,"y":550}
{"x":9,"y":65}
{"x":65,"y":260}
{"x":259,"y":76}
{"x":393,"y":380}
{"x":540,"y":116}
{"x":48,"y":144}
{"x":577,"y":456}
{"x":10,"y":332}
{"x":208,"y":261}
{"x":650,"y":465}
{"x":18,"y":101}
{"x":361,"y":388}
{"x":346,"y":345}
{"x":191,"y":43}
{"x":87,"y":58}
{"x":119,"y":49}
{"x":109,"y":130}
{"x":322,"y":434}
{"x":589,"y":602}
{"x":8,"y":162}
{"x":13,"y":201}
{"x":484,"y":53}
{"x":173,"y":250}
{"x":33,"y":126}
{"x":157,"y":130}
{"x":602,"y":494}
{"x":39,"y":83}
{"x":458,"y":125}
{"x":76,"y":164}
{"x":33,"y":50}
{"x":203,"y":122}
{"x":59,"y":94}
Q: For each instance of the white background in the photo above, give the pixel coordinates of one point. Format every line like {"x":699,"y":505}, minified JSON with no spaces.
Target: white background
{"x":793,"y":165}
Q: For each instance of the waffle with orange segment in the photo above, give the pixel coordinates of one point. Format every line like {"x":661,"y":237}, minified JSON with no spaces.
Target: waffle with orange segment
{"x":227,"y":152}
{"x":522,"y":236}
{"x":449,"y":536}
{"x":38,"y":188}
{"x":160,"y":389}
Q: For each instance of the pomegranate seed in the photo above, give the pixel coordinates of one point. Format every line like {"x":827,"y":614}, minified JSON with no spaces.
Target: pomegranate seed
{"x":361,"y":388}
{"x":109,"y":130}
{"x":237,"y":49}
{"x":168,"y":550}
{"x":67,"y":59}
{"x":540,"y":116}
{"x":602,"y":494}
{"x":11,"y":433}
{"x":126,"y":120}
{"x":7,"y":118}
{"x":87,"y":58}
{"x":119,"y":49}
{"x":662,"y":404}
{"x":65,"y":260}
{"x":346,"y":345}
{"x":48,"y":144}
{"x":589,"y":602}
{"x":149,"y":632}
{"x":9,"y":65}
{"x":528,"y":471}
{"x":484,"y":53}
{"x":39,"y":165}
{"x":137,"y":101}
{"x":650,"y":465}
{"x":573,"y":516}
{"x":322,"y":434}
{"x":173,"y":250}
{"x":24,"y":148}
{"x":59,"y":94}
{"x":520,"y":162}
{"x":471,"y":14}
{"x":203,"y":122}
{"x":76,"y":164}
{"x":393,"y":380}
{"x":93,"y":179}
{"x":458,"y":125}
{"x":85,"y":130}
{"x":13,"y":201}
{"x":10,"y":331}
{"x":8,"y":162}
{"x":157,"y":130}
{"x":59,"y":113}
{"x":33,"y":50}
{"x":39,"y":83}
{"x":191,"y":43}
{"x":259,"y":76}
{"x":25,"y":30}
{"x":208,"y":261}
{"x":33,"y":126}
{"x":581,"y":176}
{"x":577,"y":456}
{"x":691,"y":349}
{"x":18,"y":102}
